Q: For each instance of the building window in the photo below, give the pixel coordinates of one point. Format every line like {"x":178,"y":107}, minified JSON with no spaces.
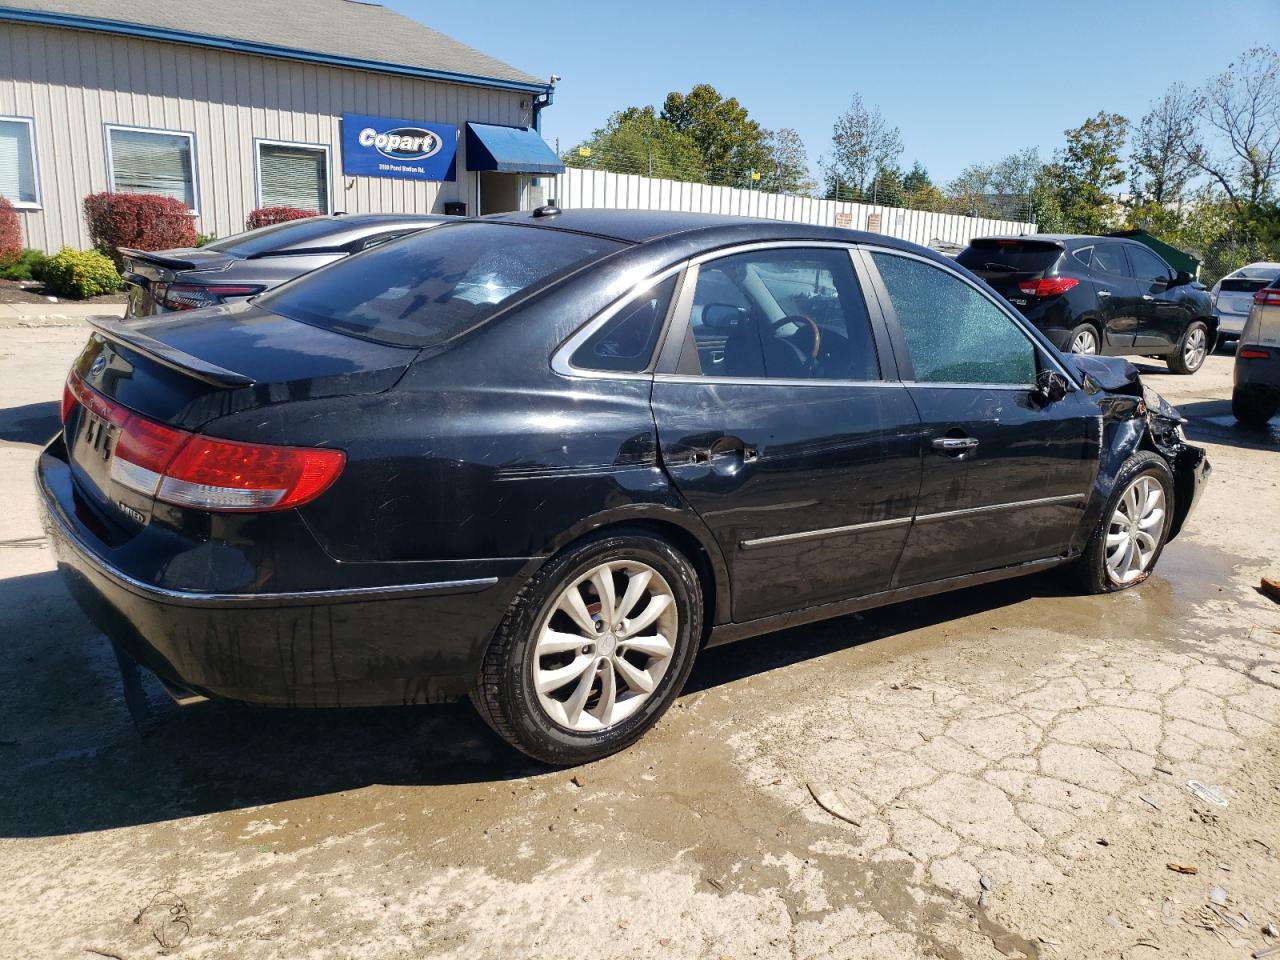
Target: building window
{"x":18,"y":163}
{"x":152,"y":161}
{"x":293,"y":175}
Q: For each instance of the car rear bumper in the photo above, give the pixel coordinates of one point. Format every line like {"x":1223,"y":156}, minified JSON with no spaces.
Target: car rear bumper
{"x":1258,"y":373}
{"x":362,"y":646}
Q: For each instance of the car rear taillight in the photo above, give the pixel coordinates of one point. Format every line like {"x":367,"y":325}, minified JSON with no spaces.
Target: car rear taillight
{"x":193,"y":296}
{"x":1253,"y":353}
{"x":1267,"y":297}
{"x":1048,"y":286}
{"x":68,"y":398}
{"x":192,"y":470}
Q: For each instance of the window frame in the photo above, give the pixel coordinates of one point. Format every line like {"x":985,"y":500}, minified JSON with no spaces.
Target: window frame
{"x":1132,"y":256}
{"x":38,"y":202}
{"x":260,"y":142}
{"x":680,"y":328}
{"x":1046,"y":353}
{"x":1094,"y":268}
{"x":159,"y":131}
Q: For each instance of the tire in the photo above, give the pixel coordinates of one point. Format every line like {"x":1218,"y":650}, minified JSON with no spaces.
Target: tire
{"x":1093,"y":569}
{"x":1084,"y":339}
{"x":1193,"y":347}
{"x":532,"y":644}
{"x":1253,"y":408}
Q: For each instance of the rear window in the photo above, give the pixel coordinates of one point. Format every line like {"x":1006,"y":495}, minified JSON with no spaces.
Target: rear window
{"x":428,"y":288}
{"x":1008,"y":256}
{"x":278,"y":236}
{"x":1246,"y":284}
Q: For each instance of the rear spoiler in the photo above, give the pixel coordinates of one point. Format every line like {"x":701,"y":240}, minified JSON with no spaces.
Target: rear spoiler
{"x":159,"y":259}
{"x":168,"y":356}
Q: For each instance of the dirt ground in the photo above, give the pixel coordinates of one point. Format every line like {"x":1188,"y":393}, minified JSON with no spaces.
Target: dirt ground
{"x":1009,"y":766}
{"x":15,"y":291}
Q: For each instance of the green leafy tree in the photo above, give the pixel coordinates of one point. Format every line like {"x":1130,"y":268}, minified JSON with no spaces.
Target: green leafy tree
{"x":886,"y":187}
{"x":789,"y":163}
{"x":637,"y":140}
{"x":731,"y":144}
{"x":863,"y":143}
{"x":916,"y":179}
{"x":1087,"y":170}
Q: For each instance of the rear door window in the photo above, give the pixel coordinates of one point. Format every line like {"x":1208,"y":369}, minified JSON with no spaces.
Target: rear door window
{"x":1109,"y":258}
{"x":427,"y":288}
{"x":954,"y":333}
{"x":1147,"y":267}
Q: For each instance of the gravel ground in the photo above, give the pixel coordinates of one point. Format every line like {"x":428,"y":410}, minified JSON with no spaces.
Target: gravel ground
{"x":1007,"y":767}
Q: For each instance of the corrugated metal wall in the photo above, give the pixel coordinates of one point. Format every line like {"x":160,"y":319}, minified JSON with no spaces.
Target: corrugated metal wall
{"x":598,"y":188}
{"x":71,"y":82}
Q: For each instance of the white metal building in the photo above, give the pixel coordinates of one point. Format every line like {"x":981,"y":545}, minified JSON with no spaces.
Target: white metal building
{"x":230,"y":105}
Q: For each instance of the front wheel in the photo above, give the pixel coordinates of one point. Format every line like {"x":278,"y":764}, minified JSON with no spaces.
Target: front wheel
{"x":1128,"y":539}
{"x":1192,"y":349}
{"x":593,"y":650}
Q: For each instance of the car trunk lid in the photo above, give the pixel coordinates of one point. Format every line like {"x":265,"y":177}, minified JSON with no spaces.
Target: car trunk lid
{"x":182,"y":371}
{"x":1004,"y":263}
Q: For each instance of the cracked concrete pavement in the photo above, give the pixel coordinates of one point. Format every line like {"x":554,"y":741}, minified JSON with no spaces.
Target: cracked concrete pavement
{"x":1007,"y":766}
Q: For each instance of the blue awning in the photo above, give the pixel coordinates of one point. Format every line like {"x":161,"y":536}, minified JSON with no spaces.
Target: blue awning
{"x":509,"y":150}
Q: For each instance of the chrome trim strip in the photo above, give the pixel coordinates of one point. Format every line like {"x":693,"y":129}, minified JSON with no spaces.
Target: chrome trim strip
{"x":902,"y":521}
{"x":299,"y":597}
{"x":996,"y":507}
{"x":825,"y":532}
{"x":766,"y":382}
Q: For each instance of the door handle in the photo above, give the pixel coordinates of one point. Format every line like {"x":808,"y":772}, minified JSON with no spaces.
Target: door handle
{"x":955,"y":444}
{"x":1104,"y":293}
{"x":1147,"y":296}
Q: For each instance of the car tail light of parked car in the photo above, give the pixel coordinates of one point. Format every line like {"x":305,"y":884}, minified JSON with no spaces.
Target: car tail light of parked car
{"x":193,"y":296}
{"x":1267,"y":297}
{"x":1048,"y":286}
{"x":190,"y":470}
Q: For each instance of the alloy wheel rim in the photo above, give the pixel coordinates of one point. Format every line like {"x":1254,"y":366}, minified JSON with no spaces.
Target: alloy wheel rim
{"x":605,"y":645}
{"x":1135,"y":530}
{"x":1195,"y":349}
{"x":1084,"y":342}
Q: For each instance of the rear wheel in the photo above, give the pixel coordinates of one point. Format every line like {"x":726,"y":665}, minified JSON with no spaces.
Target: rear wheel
{"x":593,"y":650}
{"x":1084,"y":339}
{"x":1129,"y":538}
{"x":1192,"y":349}
{"x":1253,"y":408}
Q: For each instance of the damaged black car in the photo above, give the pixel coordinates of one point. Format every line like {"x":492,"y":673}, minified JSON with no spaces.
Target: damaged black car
{"x":544,"y":459}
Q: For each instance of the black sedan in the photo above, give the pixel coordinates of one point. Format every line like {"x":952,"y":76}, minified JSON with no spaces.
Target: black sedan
{"x":236,"y":268}
{"x":544,"y":459}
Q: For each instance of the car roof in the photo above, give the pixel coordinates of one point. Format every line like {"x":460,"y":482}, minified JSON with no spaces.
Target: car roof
{"x":1262,"y":268}
{"x":645,"y":226}
{"x":374,"y":219}
{"x":1067,"y":240}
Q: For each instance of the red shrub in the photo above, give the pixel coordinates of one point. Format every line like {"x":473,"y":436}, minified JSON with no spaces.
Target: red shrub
{"x":140,"y":220}
{"x":265,"y":216}
{"x":10,"y":235}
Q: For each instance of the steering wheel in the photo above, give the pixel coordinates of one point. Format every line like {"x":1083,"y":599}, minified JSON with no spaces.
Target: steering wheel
{"x":815,"y":333}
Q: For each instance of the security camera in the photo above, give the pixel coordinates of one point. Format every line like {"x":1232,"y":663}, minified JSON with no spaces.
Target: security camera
{"x":555,"y":78}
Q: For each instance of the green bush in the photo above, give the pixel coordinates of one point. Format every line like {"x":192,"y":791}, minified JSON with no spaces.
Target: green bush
{"x":28,"y":266}
{"x":203,"y":239}
{"x":79,"y":274}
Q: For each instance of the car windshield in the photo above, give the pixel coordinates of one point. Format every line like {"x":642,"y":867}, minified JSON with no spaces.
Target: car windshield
{"x":1250,"y":280}
{"x":1008,"y":256}
{"x":430,"y":287}
{"x":278,"y":236}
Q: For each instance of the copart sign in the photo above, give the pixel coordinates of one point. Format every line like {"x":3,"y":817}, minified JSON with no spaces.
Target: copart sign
{"x":406,"y":149}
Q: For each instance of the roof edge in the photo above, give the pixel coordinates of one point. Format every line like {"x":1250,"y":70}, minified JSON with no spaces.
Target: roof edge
{"x":102,"y":25}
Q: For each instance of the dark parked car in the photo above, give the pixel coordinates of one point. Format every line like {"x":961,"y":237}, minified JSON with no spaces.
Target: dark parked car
{"x":249,"y":263}
{"x":1255,"y":396}
{"x":544,"y":459}
{"x":1100,"y":295}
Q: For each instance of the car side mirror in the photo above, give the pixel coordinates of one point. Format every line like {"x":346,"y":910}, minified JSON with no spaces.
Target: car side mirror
{"x":1181,"y":279}
{"x":1051,"y":386}
{"x":721,"y":316}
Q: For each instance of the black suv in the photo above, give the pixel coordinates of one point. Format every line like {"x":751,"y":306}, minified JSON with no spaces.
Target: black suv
{"x":1100,"y":295}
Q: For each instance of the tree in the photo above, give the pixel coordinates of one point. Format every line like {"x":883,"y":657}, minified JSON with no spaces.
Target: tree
{"x":886,"y":187}
{"x":1087,"y":169}
{"x":1164,"y":145}
{"x":864,"y":144}
{"x":731,"y":144}
{"x":789,"y":163}
{"x":917,"y":179}
{"x":967,"y":192}
{"x":637,"y":140}
{"x":1242,"y":106}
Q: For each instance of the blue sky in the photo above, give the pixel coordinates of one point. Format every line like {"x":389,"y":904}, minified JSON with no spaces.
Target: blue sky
{"x":964,"y":82}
